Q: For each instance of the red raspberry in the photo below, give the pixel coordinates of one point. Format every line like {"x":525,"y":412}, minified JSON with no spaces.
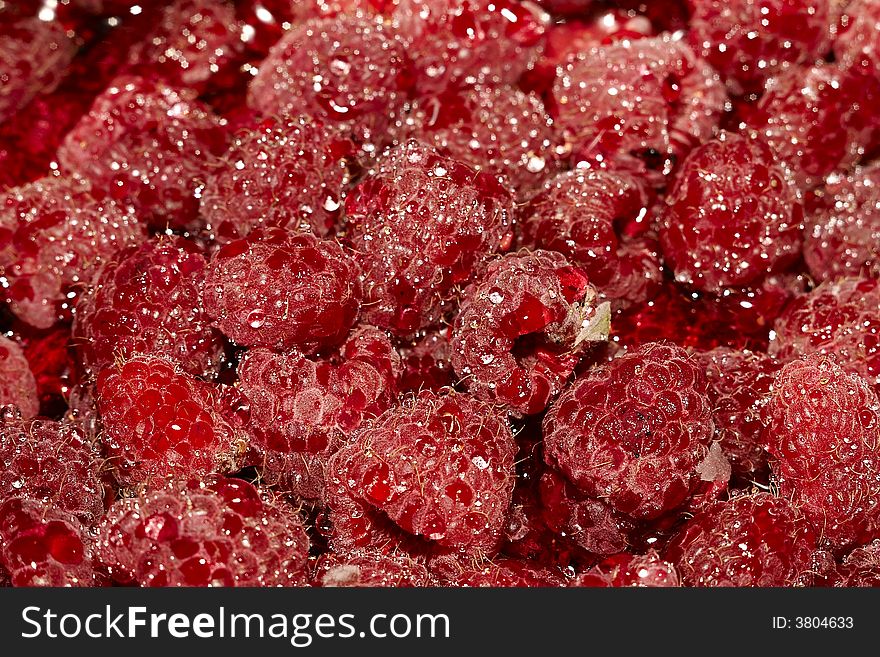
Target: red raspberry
{"x":423,"y":225}
{"x":371,"y":569}
{"x":634,"y":431}
{"x":303,"y":410}
{"x":499,"y":130}
{"x":751,"y":540}
{"x":43,"y":546}
{"x":523,"y":327}
{"x":426,"y":362}
{"x":739,"y":388}
{"x":286,"y":173}
{"x":664,"y":101}
{"x":159,"y":421}
{"x":630,"y":570}
{"x":582,"y":214}
{"x":348,"y":71}
{"x":747,"y":41}
{"x":732,"y":216}
{"x":218,"y":532}
{"x":861,"y":567}
{"x":148,"y":142}
{"x":439,"y":465}
{"x":34,"y":55}
{"x":458,"y":43}
{"x":823,"y":431}
{"x":497,"y":573}
{"x":53,"y":463}
{"x":17,"y":383}
{"x":842,"y":233}
{"x":840,"y":317}
{"x":54,"y":233}
{"x":280,"y":289}
{"x":858,"y":37}
{"x":149,"y":301}
{"x":817,"y":119}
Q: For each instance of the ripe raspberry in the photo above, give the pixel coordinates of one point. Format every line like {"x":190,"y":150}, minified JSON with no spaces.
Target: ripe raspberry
{"x":842,"y":233}
{"x":43,"y":546}
{"x":439,"y":465}
{"x":732,"y":216}
{"x":17,"y":383}
{"x":53,"y":463}
{"x":861,"y":567}
{"x":858,"y":37}
{"x":458,"y":43}
{"x":499,"y":130}
{"x":747,"y":41}
{"x":303,"y":410}
{"x":840,"y":317}
{"x":522,"y":328}
{"x":739,"y":388}
{"x":34,"y":55}
{"x":371,"y":569}
{"x":149,"y":301}
{"x":281,"y":290}
{"x":497,"y":573}
{"x":54,"y":233}
{"x":581,"y":215}
{"x":666,"y":101}
{"x":630,"y":570}
{"x":218,"y":532}
{"x":52,"y":363}
{"x":817,"y":119}
{"x":150,"y":143}
{"x":423,"y":226}
{"x":159,"y":421}
{"x":425,"y":362}
{"x":348,"y":71}
{"x":823,"y":435}
{"x":751,"y":540}
{"x":286,"y":173}
{"x":633,"y":432}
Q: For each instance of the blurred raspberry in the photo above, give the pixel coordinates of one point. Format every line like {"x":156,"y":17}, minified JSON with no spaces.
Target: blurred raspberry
{"x":371,"y":569}
{"x":630,"y":570}
{"x":17,"y":383}
{"x":861,"y":567}
{"x":858,"y":37}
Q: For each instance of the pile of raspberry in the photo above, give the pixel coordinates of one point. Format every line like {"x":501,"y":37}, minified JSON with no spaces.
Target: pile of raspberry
{"x":549,"y":293}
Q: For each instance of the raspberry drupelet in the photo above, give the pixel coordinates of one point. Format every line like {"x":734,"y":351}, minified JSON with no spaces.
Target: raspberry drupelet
{"x":215,"y":532}
{"x":633,"y":432}
{"x":422,"y":226}
{"x":440,"y":465}
{"x":281,"y":290}
{"x":522,"y":328}
{"x":17,"y":383}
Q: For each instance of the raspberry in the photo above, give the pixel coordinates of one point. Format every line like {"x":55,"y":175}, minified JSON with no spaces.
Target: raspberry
{"x":439,"y":465}
{"x":159,"y":421}
{"x":149,"y":301}
{"x":52,"y":362}
{"x":349,"y":71}
{"x":418,"y":203}
{"x":817,"y":119}
{"x":218,"y":532}
{"x":498,"y":573}
{"x":842,"y":232}
{"x":43,"y":546}
{"x":34,"y":55}
{"x":53,"y":463}
{"x":286,"y":173}
{"x":426,"y":362}
{"x":150,"y":143}
{"x":732,"y":216}
{"x":739,"y":388}
{"x":751,"y":540}
{"x":303,"y":410}
{"x":280,"y":289}
{"x":861,"y":567}
{"x":458,"y":43}
{"x":840,"y":317}
{"x":859,"y":38}
{"x":582,"y":214}
{"x":522,"y":328}
{"x":630,"y":570}
{"x":371,"y":569}
{"x":747,"y":41}
{"x":633,"y":432}
{"x":17,"y":383}
{"x":54,"y":233}
{"x":823,"y":433}
{"x":666,"y":101}
{"x":353,"y":527}
{"x":499,"y":130}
